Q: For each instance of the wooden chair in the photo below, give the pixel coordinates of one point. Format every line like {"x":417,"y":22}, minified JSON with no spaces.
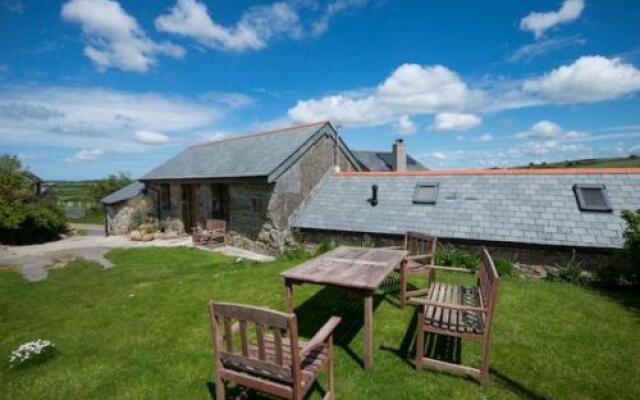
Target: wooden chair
{"x":463,"y":312}
{"x":277,"y":363}
{"x":214,"y":233}
{"x":421,"y":259}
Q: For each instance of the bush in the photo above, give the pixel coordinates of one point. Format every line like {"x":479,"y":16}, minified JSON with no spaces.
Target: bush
{"x":449,"y":256}
{"x":571,"y":272}
{"x":325,"y":246}
{"x":503,"y":265}
{"x":25,"y":218}
{"x":297,"y":252}
{"x":31,"y":223}
{"x":625,"y":268}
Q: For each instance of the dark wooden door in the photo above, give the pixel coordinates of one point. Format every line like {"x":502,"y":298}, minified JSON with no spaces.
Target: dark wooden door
{"x":189,"y":206}
{"x":220,"y":202}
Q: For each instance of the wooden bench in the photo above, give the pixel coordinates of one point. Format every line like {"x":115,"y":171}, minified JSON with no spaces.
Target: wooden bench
{"x":459,"y":311}
{"x":276,"y":362}
{"x":214,"y":233}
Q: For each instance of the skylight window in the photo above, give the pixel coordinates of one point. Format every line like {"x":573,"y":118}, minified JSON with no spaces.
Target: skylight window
{"x":592,"y":198}
{"x":425,"y":193}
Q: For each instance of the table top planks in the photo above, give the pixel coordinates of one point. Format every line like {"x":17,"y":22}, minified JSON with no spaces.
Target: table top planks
{"x":351,"y":267}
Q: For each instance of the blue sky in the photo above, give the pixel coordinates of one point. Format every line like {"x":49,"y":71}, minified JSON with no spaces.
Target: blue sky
{"x":92,"y":87}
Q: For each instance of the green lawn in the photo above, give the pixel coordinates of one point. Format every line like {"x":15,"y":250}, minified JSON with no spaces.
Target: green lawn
{"x":140,"y":330}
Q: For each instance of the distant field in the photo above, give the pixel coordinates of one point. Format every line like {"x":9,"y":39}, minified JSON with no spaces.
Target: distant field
{"x":71,"y":190}
{"x":76,"y":200}
{"x":620,"y":162}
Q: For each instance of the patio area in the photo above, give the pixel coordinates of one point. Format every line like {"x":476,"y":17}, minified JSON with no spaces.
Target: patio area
{"x":546,"y":344}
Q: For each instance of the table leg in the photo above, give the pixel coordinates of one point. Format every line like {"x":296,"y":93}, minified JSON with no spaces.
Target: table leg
{"x":403,"y":283}
{"x":368,"y":331}
{"x":288,"y":296}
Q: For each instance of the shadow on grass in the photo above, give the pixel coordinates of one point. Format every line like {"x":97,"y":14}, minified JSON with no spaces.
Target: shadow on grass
{"x":313,"y":313}
{"x":628,"y":297}
{"x":515,"y":386}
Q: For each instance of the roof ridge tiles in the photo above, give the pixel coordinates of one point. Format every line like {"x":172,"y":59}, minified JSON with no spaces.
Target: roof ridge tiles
{"x":268,"y":132}
{"x":529,"y":171}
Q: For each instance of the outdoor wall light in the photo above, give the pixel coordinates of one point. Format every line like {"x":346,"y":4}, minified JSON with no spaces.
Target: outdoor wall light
{"x":374,"y":196}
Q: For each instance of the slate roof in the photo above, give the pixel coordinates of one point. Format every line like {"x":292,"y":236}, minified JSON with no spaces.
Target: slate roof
{"x":516,"y":206}
{"x":128,"y":192}
{"x":263,"y":154}
{"x":383,"y":160}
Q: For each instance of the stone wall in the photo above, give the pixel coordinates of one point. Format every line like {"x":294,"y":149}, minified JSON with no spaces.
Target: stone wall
{"x":119,"y":215}
{"x":518,"y":253}
{"x":293,"y":186}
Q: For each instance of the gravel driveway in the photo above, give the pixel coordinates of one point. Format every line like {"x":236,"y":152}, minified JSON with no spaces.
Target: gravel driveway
{"x":33,"y":260}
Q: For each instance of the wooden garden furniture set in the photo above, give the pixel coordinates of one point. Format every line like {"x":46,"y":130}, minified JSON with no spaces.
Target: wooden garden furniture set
{"x":280,"y":363}
{"x":213,"y":234}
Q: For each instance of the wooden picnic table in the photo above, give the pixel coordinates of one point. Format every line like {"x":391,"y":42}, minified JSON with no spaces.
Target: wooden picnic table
{"x":356,"y":268}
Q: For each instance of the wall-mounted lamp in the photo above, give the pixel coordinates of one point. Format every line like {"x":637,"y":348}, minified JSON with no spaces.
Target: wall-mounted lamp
{"x":374,"y":196}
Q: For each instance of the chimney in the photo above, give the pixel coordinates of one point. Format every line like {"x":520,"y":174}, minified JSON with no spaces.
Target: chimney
{"x":399,"y":155}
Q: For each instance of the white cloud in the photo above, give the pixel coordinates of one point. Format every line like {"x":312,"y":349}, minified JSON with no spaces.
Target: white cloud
{"x":485,"y":137}
{"x":455,"y":122}
{"x":410,"y":89}
{"x":231,"y":99}
{"x":406,"y":126}
{"x":150,"y":137}
{"x":95,"y":118}
{"x":546,"y":130}
{"x":635,"y":149}
{"x":439,"y":155}
{"x":541,"y":130}
{"x":85,"y":155}
{"x":115,"y":40}
{"x":588,"y":79}
{"x":257,"y":25}
{"x":414,"y":89}
{"x":545,"y":46}
{"x":575,"y":135}
{"x":539,"y":22}
{"x":14,"y":6}
{"x":333,"y":8}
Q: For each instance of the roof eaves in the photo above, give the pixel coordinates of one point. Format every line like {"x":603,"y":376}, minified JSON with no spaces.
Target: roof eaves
{"x":543,"y":171}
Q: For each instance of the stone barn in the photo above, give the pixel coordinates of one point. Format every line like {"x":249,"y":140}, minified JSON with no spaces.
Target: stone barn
{"x":254,"y":182}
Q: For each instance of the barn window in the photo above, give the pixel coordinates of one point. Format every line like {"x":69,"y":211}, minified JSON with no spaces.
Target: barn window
{"x":592,"y":198}
{"x":425,"y":193}
{"x":165,"y":196}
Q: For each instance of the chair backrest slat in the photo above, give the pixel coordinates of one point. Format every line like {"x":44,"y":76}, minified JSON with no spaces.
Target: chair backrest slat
{"x":216,"y":225}
{"x":419,"y":243}
{"x":261,"y":344}
{"x":277,"y":337}
{"x":228,"y":334}
{"x":265,"y":358}
{"x":244,"y":341}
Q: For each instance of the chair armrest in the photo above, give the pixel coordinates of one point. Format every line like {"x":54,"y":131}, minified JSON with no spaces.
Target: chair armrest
{"x":420,"y":256}
{"x":321,"y":336}
{"x":460,"y":307}
{"x":391,"y":247}
{"x":452,"y":269}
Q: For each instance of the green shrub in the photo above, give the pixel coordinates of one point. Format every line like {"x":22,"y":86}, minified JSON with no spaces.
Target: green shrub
{"x":325,"y":246}
{"x":449,"y":256}
{"x":571,"y":272}
{"x":628,"y":270}
{"x":503,"y":265}
{"x":31,"y":223}
{"x":297,"y":252}
{"x":25,"y":218}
